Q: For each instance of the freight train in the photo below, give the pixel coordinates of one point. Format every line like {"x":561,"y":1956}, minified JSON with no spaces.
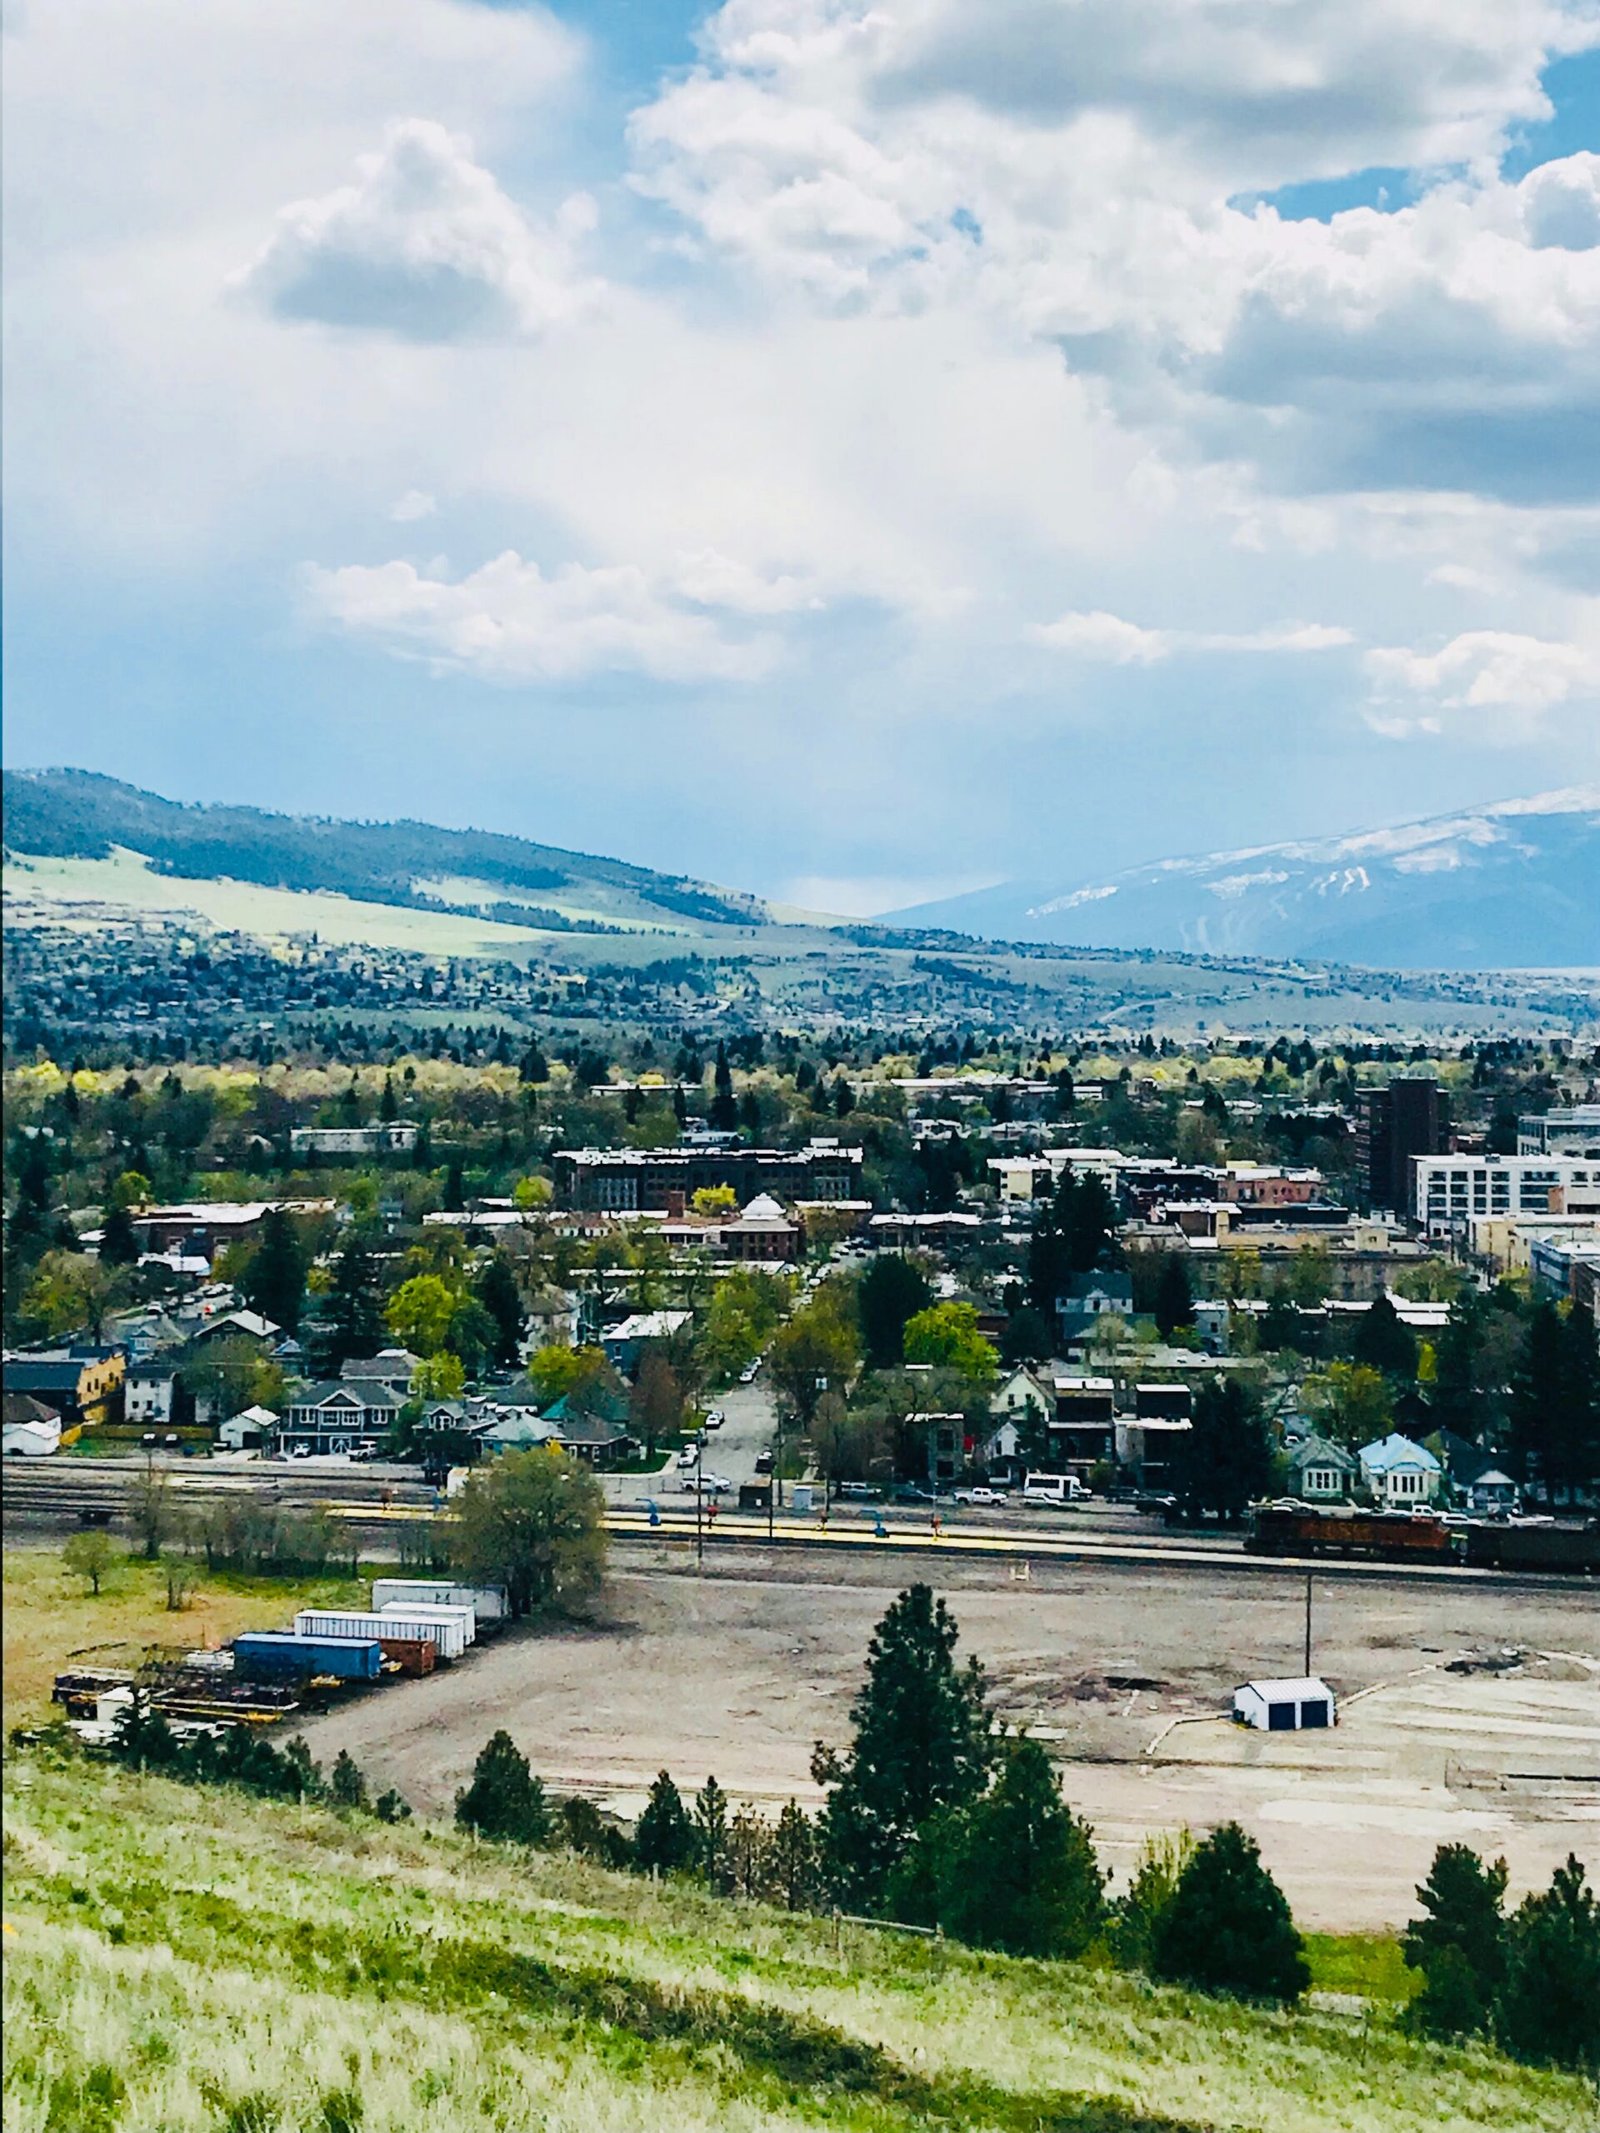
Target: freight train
{"x":1422,"y":1536}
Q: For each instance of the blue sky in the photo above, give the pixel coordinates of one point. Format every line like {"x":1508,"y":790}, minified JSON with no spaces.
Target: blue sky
{"x":850,"y":451}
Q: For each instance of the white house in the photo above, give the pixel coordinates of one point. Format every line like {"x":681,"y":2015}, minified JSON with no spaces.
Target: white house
{"x":147,"y":1394}
{"x":33,"y":1439}
{"x":1399,"y":1474}
{"x":1291,"y":1706}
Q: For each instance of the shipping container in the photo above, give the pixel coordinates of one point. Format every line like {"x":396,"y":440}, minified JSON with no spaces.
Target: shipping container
{"x":276,"y":1655}
{"x":1531,"y":1547}
{"x":448,"y":1634}
{"x":413,"y":1655}
{"x":432,"y":1611}
{"x":487,"y":1602}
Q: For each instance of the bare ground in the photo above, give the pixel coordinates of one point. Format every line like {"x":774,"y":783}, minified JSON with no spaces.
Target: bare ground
{"x":740,"y":1670}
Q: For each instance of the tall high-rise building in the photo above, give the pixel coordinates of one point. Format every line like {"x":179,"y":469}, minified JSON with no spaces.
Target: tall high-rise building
{"x":1410,"y":1117}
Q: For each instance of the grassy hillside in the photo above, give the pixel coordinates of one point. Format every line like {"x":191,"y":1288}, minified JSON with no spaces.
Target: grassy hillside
{"x":179,"y":1959}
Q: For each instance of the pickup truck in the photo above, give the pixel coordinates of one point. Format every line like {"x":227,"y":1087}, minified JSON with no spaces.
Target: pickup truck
{"x":981,"y":1495}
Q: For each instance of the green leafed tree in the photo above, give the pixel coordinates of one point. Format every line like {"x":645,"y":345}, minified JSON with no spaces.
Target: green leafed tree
{"x":946,"y":1335}
{"x":1228,"y":1927}
{"x":88,"y":1556}
{"x":534,"y":1524}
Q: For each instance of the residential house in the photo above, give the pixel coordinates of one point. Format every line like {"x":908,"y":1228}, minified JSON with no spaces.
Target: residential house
{"x":240,"y":1325}
{"x":391,"y":1370}
{"x":1082,"y":1431}
{"x":32,"y":1430}
{"x":1476,"y":1479}
{"x":1106,"y":1293}
{"x":249,"y":1430}
{"x":1399,"y":1473}
{"x":626,"y":1342}
{"x":1321,"y":1471}
{"x":147,"y":1394}
{"x":335,"y":1417}
{"x":593,"y":1425}
{"x":83,"y":1383}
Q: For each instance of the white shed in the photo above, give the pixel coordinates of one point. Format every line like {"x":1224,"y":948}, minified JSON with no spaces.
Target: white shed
{"x":1285,"y":1706}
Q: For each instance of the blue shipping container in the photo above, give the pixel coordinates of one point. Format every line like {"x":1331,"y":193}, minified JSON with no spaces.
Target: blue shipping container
{"x":279,"y":1655}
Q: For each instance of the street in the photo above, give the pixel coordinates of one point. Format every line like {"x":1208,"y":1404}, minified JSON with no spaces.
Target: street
{"x":730,"y":1451}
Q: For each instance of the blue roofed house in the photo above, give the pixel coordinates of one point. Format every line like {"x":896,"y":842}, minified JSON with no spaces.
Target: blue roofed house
{"x":1087,"y":1298}
{"x":1400,"y":1475}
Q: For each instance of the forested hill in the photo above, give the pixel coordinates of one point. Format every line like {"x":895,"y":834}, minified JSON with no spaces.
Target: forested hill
{"x":77,"y":814}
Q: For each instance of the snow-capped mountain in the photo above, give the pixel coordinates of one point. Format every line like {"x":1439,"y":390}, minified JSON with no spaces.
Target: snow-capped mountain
{"x":1515,"y":885}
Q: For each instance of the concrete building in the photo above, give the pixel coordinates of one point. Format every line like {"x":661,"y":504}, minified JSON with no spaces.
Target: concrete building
{"x":1448,"y":1190}
{"x":635,"y":1180}
{"x":397,"y":1137}
{"x":1395,"y":1125}
{"x":1574,"y":1132}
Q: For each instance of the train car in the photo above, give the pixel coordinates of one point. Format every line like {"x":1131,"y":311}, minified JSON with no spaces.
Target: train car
{"x":1536,"y":1547}
{"x":1379,"y":1536}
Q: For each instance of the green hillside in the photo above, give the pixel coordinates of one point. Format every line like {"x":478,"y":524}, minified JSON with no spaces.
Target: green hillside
{"x":179,"y":1960}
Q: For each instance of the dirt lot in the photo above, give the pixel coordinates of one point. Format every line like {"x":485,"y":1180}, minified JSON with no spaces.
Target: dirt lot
{"x":741,"y":1670}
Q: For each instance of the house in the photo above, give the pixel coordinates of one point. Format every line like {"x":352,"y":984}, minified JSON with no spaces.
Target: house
{"x":391,"y":1370}
{"x":1023,"y":1392}
{"x":334,"y":1417}
{"x":1321,"y":1471}
{"x":1399,"y":1473}
{"x":1494,"y":1494}
{"x":1106,"y":1293}
{"x":82,"y":1383}
{"x":594,"y":1425}
{"x":1292,"y":1706}
{"x":625,"y":1343}
{"x":32,"y":1430}
{"x":762,"y":1233}
{"x":249,"y":1430}
{"x":147,"y":1394}
{"x":238,"y":1325}
{"x":1082,"y":1430}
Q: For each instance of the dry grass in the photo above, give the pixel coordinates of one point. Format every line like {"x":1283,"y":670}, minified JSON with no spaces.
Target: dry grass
{"x":185,"y":1959}
{"x":53,"y":1621}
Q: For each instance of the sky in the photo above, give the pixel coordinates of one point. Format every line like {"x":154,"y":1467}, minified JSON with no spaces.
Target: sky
{"x":855,"y":450}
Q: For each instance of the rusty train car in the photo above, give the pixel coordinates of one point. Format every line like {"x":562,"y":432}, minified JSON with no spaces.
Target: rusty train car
{"x":1380,"y":1536}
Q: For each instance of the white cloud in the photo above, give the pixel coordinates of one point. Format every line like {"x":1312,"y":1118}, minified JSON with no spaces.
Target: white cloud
{"x":1499,"y":683}
{"x":509,"y":622}
{"x":424,"y":245}
{"x":1097,"y":635}
{"x":713,"y":580}
{"x":414,"y":504}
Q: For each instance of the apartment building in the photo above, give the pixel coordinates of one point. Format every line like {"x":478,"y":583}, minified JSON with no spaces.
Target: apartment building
{"x":1449,"y":1190}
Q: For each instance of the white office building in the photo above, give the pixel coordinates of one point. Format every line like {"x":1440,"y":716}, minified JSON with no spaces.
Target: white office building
{"x":1448,"y":1190}
{"x":1574,"y":1132}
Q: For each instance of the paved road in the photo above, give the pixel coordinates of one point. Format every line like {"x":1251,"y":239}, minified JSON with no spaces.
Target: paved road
{"x":730,"y":1451}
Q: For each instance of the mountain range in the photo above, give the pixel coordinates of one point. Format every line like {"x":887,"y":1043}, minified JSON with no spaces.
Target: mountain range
{"x":1514,"y":885}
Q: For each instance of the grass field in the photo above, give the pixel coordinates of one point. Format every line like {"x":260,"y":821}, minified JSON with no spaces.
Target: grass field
{"x":179,"y":1960}
{"x":53,"y":1621}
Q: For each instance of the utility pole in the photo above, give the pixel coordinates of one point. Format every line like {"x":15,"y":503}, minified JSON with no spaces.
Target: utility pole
{"x":1307,"y":1668}
{"x":700,"y":1507}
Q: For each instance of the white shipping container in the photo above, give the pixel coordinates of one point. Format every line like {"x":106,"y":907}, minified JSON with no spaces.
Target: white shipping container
{"x":435,"y":1611}
{"x":487,"y":1602}
{"x":450,"y":1636}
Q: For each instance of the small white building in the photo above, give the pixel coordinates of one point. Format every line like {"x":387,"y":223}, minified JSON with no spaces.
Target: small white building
{"x":147,"y":1394}
{"x":1399,"y":1473}
{"x":1303,"y":1704}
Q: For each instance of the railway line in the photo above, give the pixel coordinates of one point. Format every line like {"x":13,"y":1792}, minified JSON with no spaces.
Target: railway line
{"x":374,"y":1511}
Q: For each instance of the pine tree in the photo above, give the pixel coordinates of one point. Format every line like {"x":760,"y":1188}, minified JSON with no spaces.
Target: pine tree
{"x":1223,"y":1461}
{"x":724,"y":1111}
{"x":118,"y":1244}
{"x":1174,"y":1303}
{"x":274,"y":1281}
{"x":499,"y":1295}
{"x":664,"y":1840}
{"x":388,"y":1107}
{"x":889,"y":1294}
{"x":352,"y":1316}
{"x":1017,"y":1869}
{"x":346,"y":1785}
{"x":1385,"y":1342}
{"x":1459,"y":1945}
{"x":711,"y":1835}
{"x":505,"y":1800}
{"x":791,"y":1863}
{"x":921,"y":1745}
{"x":1549,"y":2006}
{"x":1228,"y":1927}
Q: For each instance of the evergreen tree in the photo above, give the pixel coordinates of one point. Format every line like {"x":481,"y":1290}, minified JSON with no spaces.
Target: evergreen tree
{"x":352,"y":1316}
{"x":750,"y":1114}
{"x":680,"y":1107}
{"x":889,"y":1294}
{"x":1174,"y":1298}
{"x":1090,"y":1225}
{"x":711,"y":1835}
{"x":500,"y":1297}
{"x":1549,"y":2005}
{"x":1223,"y":1462}
{"x":388,"y":1107}
{"x":346,"y":1785}
{"x":1459,"y":1945}
{"x":724,"y":1111}
{"x":1228,"y":1927}
{"x":118,"y":1244}
{"x":921,"y":1745}
{"x":791,"y":1863}
{"x":505,"y":1800}
{"x":274,"y":1280}
{"x":1016,"y":1870}
{"x":664,"y":1840}
{"x":392,"y":1806}
{"x":1555,"y":1403}
{"x":1049,"y":1261}
{"x":1385,"y":1342}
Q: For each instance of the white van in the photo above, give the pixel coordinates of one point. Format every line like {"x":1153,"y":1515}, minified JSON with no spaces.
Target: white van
{"x":1058,"y":1489}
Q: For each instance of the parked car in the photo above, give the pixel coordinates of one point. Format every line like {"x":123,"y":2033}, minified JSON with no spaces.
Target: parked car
{"x":981,"y":1495}
{"x":860,"y":1492}
{"x":747,"y":1376}
{"x":715,"y":1419}
{"x":912,"y":1492}
{"x":763,"y":1462}
{"x":689,"y":1456}
{"x":706,"y":1484}
{"x":1155,"y":1506}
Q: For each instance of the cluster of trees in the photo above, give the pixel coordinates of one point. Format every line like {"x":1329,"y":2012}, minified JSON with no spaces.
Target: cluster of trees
{"x":143,"y":1740}
{"x":1530,"y":1979}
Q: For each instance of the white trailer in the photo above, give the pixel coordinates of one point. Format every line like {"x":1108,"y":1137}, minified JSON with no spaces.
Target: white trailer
{"x":487,"y":1602}
{"x":448,"y":1634}
{"x":434,"y":1611}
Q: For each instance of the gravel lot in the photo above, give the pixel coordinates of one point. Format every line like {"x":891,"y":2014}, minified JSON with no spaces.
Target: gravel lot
{"x":740,"y":1670}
